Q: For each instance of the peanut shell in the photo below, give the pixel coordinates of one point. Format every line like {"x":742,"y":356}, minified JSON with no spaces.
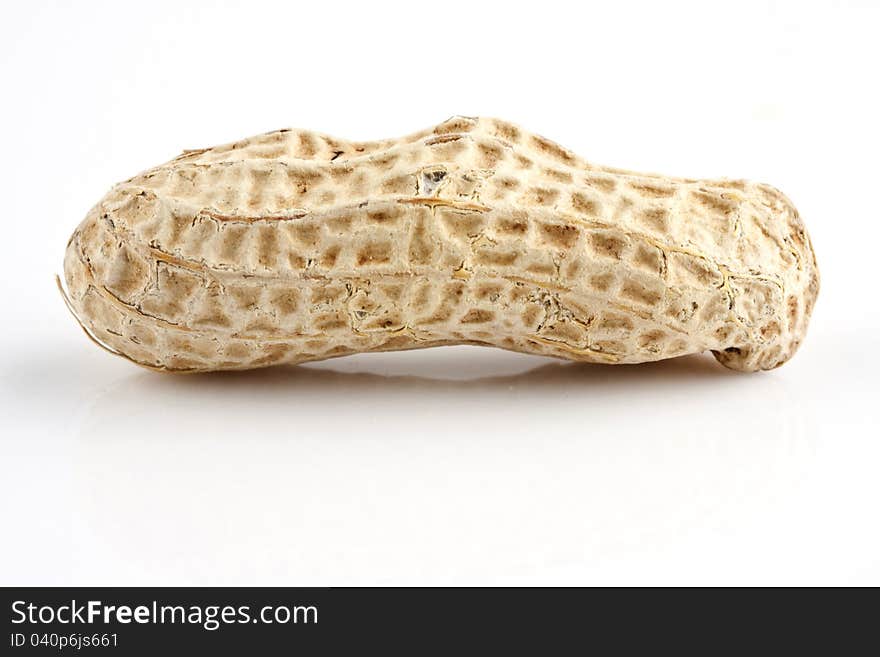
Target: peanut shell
{"x":294,"y":246}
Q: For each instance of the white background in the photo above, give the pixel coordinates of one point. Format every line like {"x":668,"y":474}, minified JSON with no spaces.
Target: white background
{"x":457,"y":465}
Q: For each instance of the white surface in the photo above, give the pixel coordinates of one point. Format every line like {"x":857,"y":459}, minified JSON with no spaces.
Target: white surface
{"x":461,"y":465}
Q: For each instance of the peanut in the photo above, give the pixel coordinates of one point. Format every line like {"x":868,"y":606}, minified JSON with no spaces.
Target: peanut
{"x":294,"y":246}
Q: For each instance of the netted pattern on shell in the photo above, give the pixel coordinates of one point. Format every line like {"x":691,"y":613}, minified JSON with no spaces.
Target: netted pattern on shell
{"x":294,"y":246}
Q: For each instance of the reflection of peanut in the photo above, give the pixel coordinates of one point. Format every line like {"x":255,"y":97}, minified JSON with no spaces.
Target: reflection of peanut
{"x":294,"y":246}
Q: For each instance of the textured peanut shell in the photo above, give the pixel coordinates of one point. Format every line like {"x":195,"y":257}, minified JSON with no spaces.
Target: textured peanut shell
{"x":294,"y":246}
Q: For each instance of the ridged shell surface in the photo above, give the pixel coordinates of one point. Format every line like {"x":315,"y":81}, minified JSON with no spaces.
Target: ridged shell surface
{"x":295,"y":246}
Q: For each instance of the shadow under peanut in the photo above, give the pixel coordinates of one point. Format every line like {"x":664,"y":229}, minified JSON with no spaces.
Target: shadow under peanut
{"x":438,"y":369}
{"x":458,"y":465}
